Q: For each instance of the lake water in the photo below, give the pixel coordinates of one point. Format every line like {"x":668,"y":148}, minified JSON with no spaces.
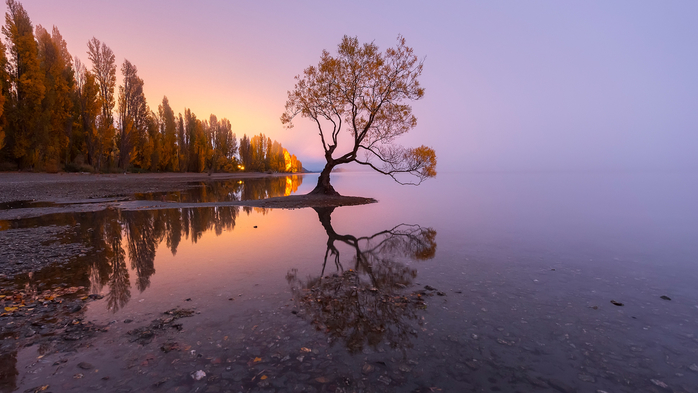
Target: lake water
{"x":470,"y":282}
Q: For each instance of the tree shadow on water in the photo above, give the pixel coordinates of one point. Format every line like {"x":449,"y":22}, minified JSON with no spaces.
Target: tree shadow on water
{"x":366,"y":302}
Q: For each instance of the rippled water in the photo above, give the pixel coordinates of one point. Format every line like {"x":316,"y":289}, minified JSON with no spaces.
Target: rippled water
{"x":470,"y":282}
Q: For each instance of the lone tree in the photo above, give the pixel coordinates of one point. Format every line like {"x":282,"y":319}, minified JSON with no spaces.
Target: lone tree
{"x":365,"y":92}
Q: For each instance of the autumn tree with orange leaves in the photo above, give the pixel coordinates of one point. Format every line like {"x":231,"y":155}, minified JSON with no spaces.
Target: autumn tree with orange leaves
{"x":25,"y":85}
{"x":359,"y":98}
{"x":56,"y":114}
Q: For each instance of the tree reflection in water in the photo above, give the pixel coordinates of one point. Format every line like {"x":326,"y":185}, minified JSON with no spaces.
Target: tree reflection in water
{"x":143,"y":230}
{"x":139,"y":233}
{"x":115,"y":237}
{"x":110,"y":235}
{"x":366,"y":303}
{"x":232,"y":190}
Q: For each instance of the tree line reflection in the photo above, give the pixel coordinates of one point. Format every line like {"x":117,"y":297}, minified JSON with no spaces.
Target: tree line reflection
{"x":115,"y":237}
{"x":359,"y":298}
{"x":364,"y":303}
{"x":230,"y":191}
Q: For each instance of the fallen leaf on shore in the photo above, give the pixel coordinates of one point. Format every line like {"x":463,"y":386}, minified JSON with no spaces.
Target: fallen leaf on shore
{"x":37,"y":389}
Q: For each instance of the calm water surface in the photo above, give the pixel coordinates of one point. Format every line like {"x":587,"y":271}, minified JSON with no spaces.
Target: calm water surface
{"x":470,"y":282}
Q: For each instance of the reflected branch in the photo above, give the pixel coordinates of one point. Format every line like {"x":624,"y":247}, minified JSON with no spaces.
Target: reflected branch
{"x":119,"y":286}
{"x":366,"y":304}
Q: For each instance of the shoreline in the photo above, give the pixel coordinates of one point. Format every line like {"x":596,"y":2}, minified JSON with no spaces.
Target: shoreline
{"x":34,"y":248}
{"x":59,"y":187}
{"x":76,"y":193}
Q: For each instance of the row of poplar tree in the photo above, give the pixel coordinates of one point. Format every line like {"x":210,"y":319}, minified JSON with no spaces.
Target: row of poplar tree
{"x":55,"y":114}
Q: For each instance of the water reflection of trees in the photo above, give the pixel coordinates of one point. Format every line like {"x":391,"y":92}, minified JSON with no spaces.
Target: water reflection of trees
{"x":138,"y":233}
{"x":365,"y":303}
{"x":231,"y":190}
{"x":113,"y":235}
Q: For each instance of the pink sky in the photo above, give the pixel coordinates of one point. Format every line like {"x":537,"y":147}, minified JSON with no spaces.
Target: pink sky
{"x":543,"y":85}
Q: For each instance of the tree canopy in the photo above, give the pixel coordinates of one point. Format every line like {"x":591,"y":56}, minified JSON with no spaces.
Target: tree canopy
{"x":359,"y":98}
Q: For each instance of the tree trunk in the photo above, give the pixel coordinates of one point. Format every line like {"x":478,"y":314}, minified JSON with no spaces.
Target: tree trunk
{"x":323,"y":182}
{"x":325,"y":216}
{"x":212,"y":169}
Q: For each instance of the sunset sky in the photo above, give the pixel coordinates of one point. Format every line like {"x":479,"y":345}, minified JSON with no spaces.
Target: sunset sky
{"x":535,"y":85}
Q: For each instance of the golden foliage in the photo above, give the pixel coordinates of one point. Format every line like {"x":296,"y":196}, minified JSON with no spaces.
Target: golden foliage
{"x":364,"y":91}
{"x":27,"y":84}
{"x":423,"y":160}
{"x":55,"y":113}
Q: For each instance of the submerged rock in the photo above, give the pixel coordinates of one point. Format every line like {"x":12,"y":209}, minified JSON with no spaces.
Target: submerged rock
{"x":145,"y":334}
{"x":84,"y":365}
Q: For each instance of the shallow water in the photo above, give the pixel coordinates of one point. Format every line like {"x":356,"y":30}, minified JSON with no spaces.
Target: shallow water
{"x":520,"y":270}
